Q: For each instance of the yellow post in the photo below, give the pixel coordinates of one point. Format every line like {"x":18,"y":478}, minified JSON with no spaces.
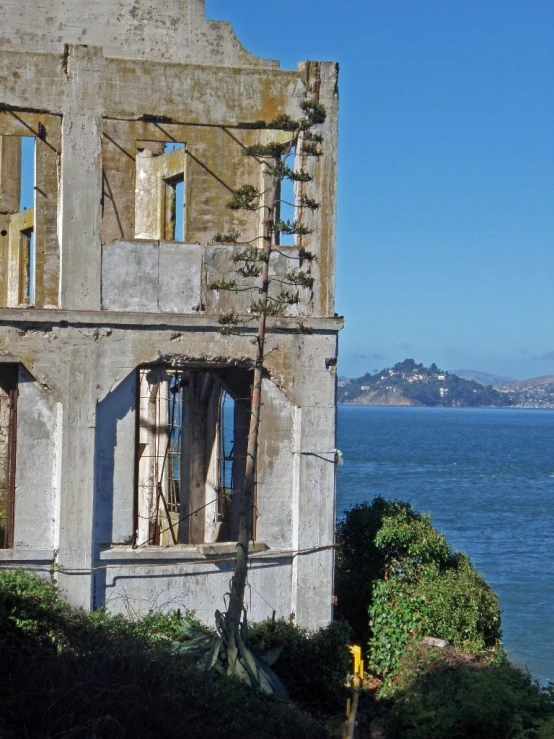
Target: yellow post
{"x":356,"y":683}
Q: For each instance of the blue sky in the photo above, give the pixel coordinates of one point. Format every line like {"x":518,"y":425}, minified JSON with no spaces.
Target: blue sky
{"x":446,"y":175}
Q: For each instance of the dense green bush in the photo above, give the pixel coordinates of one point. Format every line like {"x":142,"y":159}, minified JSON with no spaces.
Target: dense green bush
{"x":95,"y":676}
{"x":416,"y":585}
{"x":311,"y":665}
{"x":443,"y":694}
{"x":359,"y":564}
{"x":30,"y":610}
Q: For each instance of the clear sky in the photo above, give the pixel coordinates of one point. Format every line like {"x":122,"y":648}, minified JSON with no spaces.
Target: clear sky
{"x":446,"y":173}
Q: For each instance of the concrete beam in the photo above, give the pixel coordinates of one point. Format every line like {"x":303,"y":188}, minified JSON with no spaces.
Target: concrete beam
{"x":209,"y":322}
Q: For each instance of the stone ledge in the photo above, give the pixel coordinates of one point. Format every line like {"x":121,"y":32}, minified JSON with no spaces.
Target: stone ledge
{"x":182,"y":552}
{"x":26,"y":555}
{"x":128,"y":319}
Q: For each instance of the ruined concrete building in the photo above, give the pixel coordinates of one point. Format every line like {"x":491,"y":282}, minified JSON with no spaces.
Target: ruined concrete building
{"x":123,"y":410}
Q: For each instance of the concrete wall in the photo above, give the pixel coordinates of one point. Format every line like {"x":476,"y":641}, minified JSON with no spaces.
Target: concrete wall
{"x":95,"y":385}
{"x":168,"y":277}
{"x":173,"y":30}
{"x":37,"y":485}
{"x":152,"y":277}
{"x":95,"y":84}
{"x":93,"y":158}
{"x":132,"y":589}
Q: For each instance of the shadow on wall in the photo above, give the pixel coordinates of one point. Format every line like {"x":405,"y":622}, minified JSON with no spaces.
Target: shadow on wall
{"x":114,"y":472}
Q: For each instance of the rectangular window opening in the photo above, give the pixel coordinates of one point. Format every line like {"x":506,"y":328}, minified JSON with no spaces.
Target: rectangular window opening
{"x":287,"y":197}
{"x":27,"y":187}
{"x":160,"y":190}
{"x":27,"y":261}
{"x":226,"y":435}
{"x":189,"y":474}
{"x":17,"y":216}
{"x":174,"y":226}
{"x":179,"y":231}
{"x":175,"y":435}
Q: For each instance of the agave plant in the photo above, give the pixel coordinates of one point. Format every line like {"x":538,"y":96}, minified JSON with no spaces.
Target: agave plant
{"x":234,"y":657}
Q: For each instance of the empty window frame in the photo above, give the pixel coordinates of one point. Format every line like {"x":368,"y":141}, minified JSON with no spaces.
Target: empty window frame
{"x":8,"y":438}
{"x":160,"y":191}
{"x":190,"y":457}
{"x":287,"y":203}
{"x":17,"y":216}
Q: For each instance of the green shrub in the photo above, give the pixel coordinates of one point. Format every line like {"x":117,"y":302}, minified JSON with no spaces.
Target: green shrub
{"x":312,"y":665}
{"x":153,"y":627}
{"x":359,"y":563}
{"x":97,"y":676}
{"x":448,"y":695}
{"x":453,"y":604}
{"x":459,"y":605}
{"x":30,"y":610}
{"x":416,"y":585}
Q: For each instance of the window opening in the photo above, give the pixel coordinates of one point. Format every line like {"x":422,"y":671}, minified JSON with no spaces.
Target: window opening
{"x":27,"y":267}
{"x":160,"y":191}
{"x":8,"y":437}
{"x":226,"y":429}
{"x":174,"y":209}
{"x":27,"y":187}
{"x":179,"y":229}
{"x":17,"y":216}
{"x":287,"y":206}
{"x":172,"y":146}
{"x":160,"y":432}
{"x":188,"y":478}
{"x":175,"y":436}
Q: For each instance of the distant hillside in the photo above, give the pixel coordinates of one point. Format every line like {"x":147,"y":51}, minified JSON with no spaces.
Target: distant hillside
{"x":483,"y":378}
{"x":536,"y":392}
{"x":532,"y":382}
{"x":409,"y":383}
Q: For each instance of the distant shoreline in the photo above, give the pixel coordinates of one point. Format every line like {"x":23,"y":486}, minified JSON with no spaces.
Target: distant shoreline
{"x":408,"y":383}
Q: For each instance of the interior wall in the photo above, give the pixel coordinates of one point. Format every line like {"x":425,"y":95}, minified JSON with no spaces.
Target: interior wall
{"x":37,"y":483}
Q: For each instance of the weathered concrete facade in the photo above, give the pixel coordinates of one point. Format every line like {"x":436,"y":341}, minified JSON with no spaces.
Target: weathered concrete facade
{"x":118,"y":394}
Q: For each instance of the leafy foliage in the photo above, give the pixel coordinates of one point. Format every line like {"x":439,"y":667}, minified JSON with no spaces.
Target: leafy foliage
{"x":226,"y":238}
{"x":30,"y":610}
{"x":95,"y":676}
{"x":359,"y":564}
{"x":393,"y":564}
{"x":312,"y":665}
{"x":246,"y":197}
{"x":442,"y":694}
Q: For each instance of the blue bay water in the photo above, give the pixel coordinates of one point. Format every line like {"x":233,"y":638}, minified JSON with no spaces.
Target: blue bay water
{"x":486,"y":476}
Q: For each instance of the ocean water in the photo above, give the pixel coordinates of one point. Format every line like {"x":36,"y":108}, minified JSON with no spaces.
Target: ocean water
{"x":486,"y":476}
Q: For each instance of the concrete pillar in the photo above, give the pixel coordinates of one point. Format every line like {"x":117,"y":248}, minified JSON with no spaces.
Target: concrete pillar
{"x":81,"y":181}
{"x":4,"y":252}
{"x":10,"y":187}
{"x":194,"y":439}
{"x":322,"y":84}
{"x":47,"y":249}
{"x":77,"y":476}
{"x":10,"y":174}
{"x":313,"y":515}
